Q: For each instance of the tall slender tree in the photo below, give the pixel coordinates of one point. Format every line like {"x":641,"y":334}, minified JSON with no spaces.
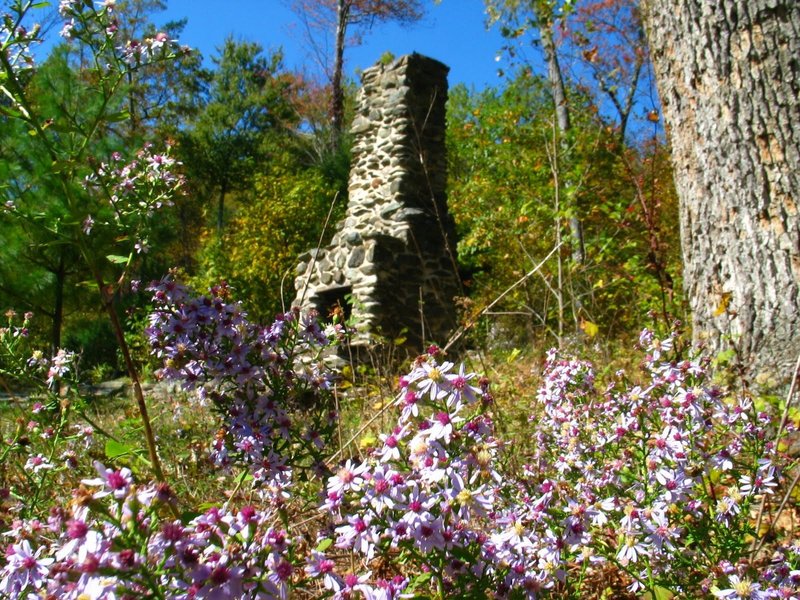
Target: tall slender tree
{"x":540,"y":17}
{"x":339,"y":17}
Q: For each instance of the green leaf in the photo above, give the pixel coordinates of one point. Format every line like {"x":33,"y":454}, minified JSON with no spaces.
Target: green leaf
{"x":419,"y":580}
{"x":116,"y":449}
{"x":659,"y":593}
{"x":123,"y":115}
{"x":242,"y":477}
{"x":117,"y":259}
{"x":324,"y":545}
{"x":188,"y":516}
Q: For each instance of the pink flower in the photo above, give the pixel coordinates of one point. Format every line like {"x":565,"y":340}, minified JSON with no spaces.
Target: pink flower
{"x":38,"y":463}
{"x":359,"y":535}
{"x":461,"y":390}
{"x":23,"y":569}
{"x":348,"y":478}
{"x":321,"y":566}
{"x":116,"y":483}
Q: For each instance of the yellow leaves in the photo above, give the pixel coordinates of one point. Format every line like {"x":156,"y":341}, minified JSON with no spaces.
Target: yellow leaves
{"x":589,"y":328}
{"x":658,"y":593}
{"x":724,"y":302}
{"x":368,"y":441}
{"x":513,"y":355}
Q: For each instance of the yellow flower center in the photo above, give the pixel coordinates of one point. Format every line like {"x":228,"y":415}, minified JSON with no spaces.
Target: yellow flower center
{"x":484,"y":458}
{"x":418,"y":446}
{"x":743,"y":588}
{"x":464,"y":496}
{"x":435,"y":375}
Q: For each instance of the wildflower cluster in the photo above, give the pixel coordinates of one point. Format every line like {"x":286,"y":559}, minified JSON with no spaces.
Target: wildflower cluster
{"x":668,"y":482}
{"x":25,"y":366}
{"x":39,"y":443}
{"x":118,"y":540}
{"x":16,"y":41}
{"x":267,"y":383}
{"x":96,"y":25}
{"x":659,"y":480}
{"x":426,"y":497}
{"x":13,"y":344}
{"x":132,"y":192}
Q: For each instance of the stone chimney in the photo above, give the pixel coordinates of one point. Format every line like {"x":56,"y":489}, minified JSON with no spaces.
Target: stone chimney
{"x":391,"y":263}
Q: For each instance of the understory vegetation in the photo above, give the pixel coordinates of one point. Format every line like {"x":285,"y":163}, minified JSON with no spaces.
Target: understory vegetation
{"x":579,"y":445}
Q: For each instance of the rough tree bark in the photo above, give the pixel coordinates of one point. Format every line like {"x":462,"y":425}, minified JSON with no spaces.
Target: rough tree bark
{"x":728,"y":73}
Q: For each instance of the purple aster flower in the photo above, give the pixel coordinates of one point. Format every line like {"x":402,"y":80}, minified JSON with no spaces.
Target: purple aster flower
{"x":461,"y":390}
{"x":631,"y":549}
{"x":358,"y":534}
{"x":38,"y":463}
{"x":432,"y":379}
{"x":24,"y":570}
{"x":321,"y":566}
{"x":114,"y":482}
{"x":351,"y":584}
{"x":280,"y":574}
{"x":740,"y":588}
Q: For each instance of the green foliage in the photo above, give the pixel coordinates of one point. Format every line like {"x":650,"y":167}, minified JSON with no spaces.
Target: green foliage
{"x":509,"y":197}
{"x":498,"y":169}
{"x":39,"y":263}
{"x":247,"y":106}
{"x":65,"y":119}
{"x":258,"y":251}
{"x":93,"y":339}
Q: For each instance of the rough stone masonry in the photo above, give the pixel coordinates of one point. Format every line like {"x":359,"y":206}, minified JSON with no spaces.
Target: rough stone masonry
{"x":391,"y":263}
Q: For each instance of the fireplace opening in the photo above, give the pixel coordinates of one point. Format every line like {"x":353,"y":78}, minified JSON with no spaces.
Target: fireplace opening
{"x":335,"y":301}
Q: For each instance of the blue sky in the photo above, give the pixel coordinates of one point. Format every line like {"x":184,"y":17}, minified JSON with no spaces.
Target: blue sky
{"x":452,"y":31}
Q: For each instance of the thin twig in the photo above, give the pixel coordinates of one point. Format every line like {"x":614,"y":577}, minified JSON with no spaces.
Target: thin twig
{"x":789,"y":397}
{"x":319,"y":245}
{"x":363,"y":428}
{"x":759,"y":543}
{"x":786,"y":497}
{"x":464,"y":328}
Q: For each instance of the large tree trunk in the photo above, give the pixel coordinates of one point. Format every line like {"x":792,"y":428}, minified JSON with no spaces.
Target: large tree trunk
{"x":728,"y":74}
